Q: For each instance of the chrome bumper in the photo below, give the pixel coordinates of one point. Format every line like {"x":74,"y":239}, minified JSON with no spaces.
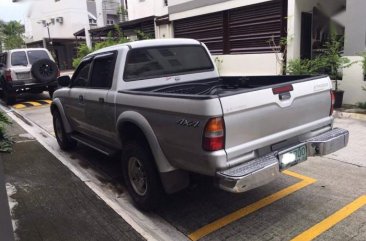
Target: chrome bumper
{"x":265,"y":169}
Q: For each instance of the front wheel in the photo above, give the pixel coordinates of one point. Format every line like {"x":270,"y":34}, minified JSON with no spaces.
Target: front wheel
{"x":141,"y":177}
{"x":63,"y":139}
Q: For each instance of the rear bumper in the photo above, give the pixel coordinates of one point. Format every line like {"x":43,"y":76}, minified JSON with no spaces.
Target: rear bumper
{"x":265,"y":169}
{"x":24,"y":85}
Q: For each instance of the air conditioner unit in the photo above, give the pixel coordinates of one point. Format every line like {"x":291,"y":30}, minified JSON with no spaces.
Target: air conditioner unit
{"x":60,"y":19}
{"x":52,"y":21}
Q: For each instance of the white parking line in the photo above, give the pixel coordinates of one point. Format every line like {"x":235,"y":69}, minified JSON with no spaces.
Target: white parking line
{"x":150,"y":226}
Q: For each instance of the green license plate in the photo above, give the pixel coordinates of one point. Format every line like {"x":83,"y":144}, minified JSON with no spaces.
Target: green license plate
{"x":292,"y":157}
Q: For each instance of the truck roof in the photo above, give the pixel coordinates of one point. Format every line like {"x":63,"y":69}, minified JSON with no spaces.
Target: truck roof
{"x":150,"y":43}
{"x":24,"y":49}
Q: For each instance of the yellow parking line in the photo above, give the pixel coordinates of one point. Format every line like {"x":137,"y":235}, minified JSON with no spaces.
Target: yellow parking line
{"x":332,"y":220}
{"x":48,"y":101}
{"x":222,"y":222}
{"x":19,"y":106}
{"x":33,"y":103}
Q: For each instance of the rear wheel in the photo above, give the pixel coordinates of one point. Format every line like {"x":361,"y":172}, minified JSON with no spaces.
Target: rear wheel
{"x":63,"y":139}
{"x":141,"y":177}
{"x":9,"y":97}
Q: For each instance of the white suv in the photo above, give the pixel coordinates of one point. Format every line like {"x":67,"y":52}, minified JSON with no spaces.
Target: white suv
{"x":27,"y":70}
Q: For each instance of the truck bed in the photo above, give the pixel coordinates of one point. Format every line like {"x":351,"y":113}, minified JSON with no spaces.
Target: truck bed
{"x":222,"y":86}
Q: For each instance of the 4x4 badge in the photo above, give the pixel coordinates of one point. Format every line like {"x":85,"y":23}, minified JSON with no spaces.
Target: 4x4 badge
{"x":187,"y":123}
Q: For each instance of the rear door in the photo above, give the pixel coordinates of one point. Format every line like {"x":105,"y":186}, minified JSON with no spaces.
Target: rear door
{"x":20,"y":67}
{"x":99,"y":101}
{"x":270,"y":116}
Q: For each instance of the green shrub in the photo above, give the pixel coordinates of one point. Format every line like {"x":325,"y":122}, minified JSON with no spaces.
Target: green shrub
{"x":305,"y":66}
{"x":5,"y":142}
{"x":361,"y":105}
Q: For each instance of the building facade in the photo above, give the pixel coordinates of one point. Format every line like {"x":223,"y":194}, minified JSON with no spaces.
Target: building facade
{"x":52,"y":24}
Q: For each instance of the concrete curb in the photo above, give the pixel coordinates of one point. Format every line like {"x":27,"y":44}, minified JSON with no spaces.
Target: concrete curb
{"x":347,"y":115}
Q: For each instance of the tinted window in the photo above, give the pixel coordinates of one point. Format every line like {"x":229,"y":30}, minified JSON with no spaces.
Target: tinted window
{"x":165,"y":61}
{"x":19,"y":58}
{"x":102,"y":72}
{"x":80,"y":79}
{"x":35,"y":55}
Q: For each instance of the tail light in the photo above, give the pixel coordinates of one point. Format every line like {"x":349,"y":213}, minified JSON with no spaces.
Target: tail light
{"x":332,"y":97}
{"x":8,"y":75}
{"x":214,"y":135}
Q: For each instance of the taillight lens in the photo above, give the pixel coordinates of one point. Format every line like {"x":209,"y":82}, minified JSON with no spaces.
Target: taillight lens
{"x":331,"y":102}
{"x":214,"y":135}
{"x":8,"y":75}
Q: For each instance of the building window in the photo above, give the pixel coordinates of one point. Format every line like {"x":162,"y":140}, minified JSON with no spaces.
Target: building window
{"x":165,"y":2}
{"x":92,"y":21}
{"x":110,"y":21}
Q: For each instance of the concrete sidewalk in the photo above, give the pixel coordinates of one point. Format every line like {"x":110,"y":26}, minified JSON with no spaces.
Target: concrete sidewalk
{"x":51,"y":203}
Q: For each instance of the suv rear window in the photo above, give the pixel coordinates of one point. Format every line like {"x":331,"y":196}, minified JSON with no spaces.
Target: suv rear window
{"x":19,"y":58}
{"x":34,"y":55}
{"x":154,"y":62}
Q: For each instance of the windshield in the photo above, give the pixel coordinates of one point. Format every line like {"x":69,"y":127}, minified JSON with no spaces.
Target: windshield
{"x":157,"y":62}
{"x":35,"y":55}
{"x":19,"y":58}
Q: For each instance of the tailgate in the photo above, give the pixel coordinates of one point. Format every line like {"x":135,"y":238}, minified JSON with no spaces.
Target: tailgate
{"x":260,"y":118}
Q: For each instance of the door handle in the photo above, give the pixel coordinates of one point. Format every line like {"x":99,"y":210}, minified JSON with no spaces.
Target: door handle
{"x":81,"y":99}
{"x":101,"y":100}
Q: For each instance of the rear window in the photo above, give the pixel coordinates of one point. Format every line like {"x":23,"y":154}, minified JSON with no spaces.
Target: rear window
{"x":157,"y":62}
{"x":35,"y":55}
{"x":19,"y":58}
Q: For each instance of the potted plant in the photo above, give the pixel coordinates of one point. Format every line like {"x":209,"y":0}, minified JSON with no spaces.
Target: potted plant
{"x":334,"y":63}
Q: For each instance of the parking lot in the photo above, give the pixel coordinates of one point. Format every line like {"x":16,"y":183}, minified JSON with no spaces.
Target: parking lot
{"x":322,"y":198}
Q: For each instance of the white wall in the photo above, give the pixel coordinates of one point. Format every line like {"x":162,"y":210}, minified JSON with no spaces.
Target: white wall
{"x":247,"y":64}
{"x":164,"y":31}
{"x":352,"y":83}
{"x":145,"y":8}
{"x":74,"y":13}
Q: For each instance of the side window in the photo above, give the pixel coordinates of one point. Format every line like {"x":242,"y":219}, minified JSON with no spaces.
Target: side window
{"x":102,"y":72}
{"x":81,"y":77}
{"x":19,"y":58}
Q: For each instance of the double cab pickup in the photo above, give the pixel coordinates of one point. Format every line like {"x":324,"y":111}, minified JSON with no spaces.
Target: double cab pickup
{"x":164,"y":107}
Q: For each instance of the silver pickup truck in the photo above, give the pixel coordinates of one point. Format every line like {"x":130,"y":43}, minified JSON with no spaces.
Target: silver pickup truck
{"x":164,"y":106}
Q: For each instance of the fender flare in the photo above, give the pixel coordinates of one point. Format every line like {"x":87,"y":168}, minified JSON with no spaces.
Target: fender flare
{"x":56,"y":104}
{"x":140,"y":121}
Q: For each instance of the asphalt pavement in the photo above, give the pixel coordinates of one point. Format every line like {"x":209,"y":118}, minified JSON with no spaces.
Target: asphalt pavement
{"x":51,"y":203}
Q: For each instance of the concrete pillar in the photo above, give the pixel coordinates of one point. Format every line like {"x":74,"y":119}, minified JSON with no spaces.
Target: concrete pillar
{"x":355,"y":32}
{"x":87,"y":37}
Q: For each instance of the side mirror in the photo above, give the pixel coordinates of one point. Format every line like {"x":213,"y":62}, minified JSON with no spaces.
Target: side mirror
{"x":64,"y":80}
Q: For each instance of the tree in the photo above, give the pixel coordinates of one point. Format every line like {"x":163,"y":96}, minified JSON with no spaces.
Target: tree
{"x":11,"y":34}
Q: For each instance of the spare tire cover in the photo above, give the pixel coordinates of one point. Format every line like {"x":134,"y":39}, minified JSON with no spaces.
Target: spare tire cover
{"x":44,"y":70}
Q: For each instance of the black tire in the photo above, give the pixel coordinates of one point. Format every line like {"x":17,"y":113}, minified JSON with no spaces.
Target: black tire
{"x":63,"y":139}
{"x":9,"y":97}
{"x":151,"y":197}
{"x":44,"y":70}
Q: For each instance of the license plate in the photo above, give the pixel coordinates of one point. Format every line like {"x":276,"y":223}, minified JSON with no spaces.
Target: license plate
{"x":23,"y":76}
{"x":292,"y":157}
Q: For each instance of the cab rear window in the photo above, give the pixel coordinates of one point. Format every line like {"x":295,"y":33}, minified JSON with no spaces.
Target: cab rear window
{"x":154,"y":62}
{"x":19,"y":58}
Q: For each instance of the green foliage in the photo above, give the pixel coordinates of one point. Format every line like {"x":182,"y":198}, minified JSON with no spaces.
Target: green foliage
{"x":361,"y":105}
{"x":11,"y":34}
{"x":329,"y":62}
{"x":142,"y":36}
{"x":5,"y":142}
{"x":305,"y":66}
{"x":83,"y":50}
